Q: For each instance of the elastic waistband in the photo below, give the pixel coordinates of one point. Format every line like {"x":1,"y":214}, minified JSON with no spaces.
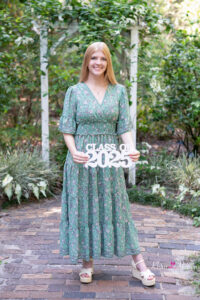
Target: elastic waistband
{"x":96,"y":128}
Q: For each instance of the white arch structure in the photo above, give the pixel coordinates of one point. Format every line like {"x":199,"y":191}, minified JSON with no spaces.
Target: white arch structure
{"x":133,"y":78}
{"x":43,"y":32}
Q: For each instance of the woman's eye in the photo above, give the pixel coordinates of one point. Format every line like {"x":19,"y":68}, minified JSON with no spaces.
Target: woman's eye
{"x":94,"y":57}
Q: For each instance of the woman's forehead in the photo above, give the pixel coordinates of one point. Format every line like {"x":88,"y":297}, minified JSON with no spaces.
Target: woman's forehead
{"x":99,"y":53}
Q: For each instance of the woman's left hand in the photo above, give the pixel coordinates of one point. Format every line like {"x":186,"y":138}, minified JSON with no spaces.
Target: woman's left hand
{"x":134,"y":155}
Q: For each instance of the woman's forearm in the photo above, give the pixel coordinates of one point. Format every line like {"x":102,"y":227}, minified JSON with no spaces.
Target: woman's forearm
{"x":127,"y":138}
{"x":70,"y":142}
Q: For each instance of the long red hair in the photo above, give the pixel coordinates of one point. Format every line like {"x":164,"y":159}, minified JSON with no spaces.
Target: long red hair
{"x":109,"y":73}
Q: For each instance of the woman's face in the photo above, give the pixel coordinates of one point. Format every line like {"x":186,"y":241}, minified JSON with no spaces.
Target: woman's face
{"x":98,"y":63}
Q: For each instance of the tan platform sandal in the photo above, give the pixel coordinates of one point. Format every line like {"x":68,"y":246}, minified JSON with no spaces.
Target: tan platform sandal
{"x":89,"y":272}
{"x":143,"y":275}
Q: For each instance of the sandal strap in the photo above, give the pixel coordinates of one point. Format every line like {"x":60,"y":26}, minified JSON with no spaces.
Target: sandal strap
{"x":147,"y":273}
{"x":138,"y":261}
{"x":86,"y":270}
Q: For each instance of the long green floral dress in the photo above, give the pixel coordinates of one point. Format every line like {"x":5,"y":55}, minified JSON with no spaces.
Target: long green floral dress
{"x":96,"y":218}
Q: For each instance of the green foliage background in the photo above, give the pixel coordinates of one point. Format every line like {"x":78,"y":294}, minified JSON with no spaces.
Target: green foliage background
{"x":168,"y":70}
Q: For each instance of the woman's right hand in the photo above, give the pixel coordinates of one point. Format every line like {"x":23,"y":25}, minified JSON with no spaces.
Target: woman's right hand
{"x":80,"y":157}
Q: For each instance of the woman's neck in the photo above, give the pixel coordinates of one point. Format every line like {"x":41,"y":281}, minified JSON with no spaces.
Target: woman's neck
{"x":96,"y":80}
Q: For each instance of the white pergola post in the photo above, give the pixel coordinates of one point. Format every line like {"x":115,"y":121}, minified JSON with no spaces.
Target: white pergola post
{"x":44,"y":91}
{"x":133,"y":79}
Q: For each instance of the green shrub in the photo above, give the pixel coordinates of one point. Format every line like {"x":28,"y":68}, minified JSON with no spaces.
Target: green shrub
{"x":162,"y":180}
{"x":153,"y":167}
{"x":195,"y":259}
{"x":58,"y":151}
{"x":23,"y":174}
{"x":186,"y":171}
{"x":146,"y":197}
{"x":179,"y":102}
{"x":162,"y":172}
{"x":186,"y":174}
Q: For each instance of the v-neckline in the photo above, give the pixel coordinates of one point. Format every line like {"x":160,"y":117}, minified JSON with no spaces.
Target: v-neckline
{"x":100,"y":104}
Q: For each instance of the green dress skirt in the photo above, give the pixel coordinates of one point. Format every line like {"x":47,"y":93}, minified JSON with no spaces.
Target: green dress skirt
{"x":96,"y":218}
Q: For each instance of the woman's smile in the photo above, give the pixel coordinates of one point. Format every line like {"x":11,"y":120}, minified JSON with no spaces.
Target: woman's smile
{"x":97,"y":63}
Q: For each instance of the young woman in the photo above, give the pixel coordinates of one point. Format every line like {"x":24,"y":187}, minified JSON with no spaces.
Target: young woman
{"x":96,"y":219}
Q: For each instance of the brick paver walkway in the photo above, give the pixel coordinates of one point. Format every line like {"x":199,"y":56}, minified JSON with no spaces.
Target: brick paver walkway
{"x":33,"y":269}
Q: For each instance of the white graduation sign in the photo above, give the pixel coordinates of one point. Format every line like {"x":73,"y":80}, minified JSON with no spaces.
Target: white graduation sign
{"x":112,"y":156}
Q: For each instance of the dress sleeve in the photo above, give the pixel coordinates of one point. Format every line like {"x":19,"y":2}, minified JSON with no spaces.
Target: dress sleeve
{"x":124,"y":123}
{"x":67,"y":122}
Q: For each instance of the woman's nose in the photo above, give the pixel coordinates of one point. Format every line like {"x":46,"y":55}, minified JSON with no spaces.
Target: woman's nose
{"x":98,"y":61}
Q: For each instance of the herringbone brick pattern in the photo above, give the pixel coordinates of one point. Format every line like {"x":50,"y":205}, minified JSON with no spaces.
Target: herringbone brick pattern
{"x":32,"y":268}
